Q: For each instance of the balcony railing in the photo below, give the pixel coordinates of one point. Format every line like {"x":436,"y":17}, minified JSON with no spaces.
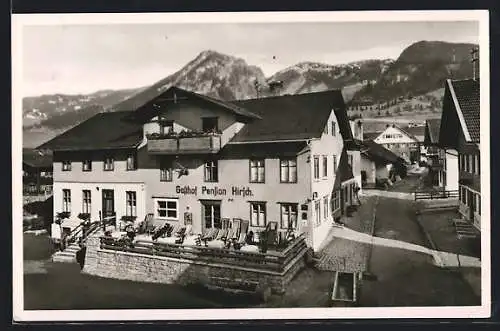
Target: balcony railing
{"x":195,"y":143}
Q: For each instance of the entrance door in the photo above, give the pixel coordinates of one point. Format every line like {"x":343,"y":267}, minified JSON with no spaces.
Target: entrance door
{"x":108,"y":203}
{"x":211,"y":212}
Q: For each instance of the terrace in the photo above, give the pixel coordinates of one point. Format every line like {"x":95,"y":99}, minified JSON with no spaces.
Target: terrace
{"x":186,"y":142}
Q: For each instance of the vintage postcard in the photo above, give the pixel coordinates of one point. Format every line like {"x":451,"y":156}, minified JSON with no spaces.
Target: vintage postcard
{"x":238,"y":166}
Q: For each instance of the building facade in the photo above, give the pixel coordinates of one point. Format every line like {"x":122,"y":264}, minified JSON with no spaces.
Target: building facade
{"x":184,"y":157}
{"x":377,"y":163}
{"x":400,"y":142}
{"x":460,"y":132}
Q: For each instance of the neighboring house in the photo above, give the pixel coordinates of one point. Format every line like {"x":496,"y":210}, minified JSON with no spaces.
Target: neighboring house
{"x":418,"y":132}
{"x":460,"y":131}
{"x":400,"y":142}
{"x":442,"y":162}
{"x":377,"y":163}
{"x":281,"y":159}
{"x":37,"y":172}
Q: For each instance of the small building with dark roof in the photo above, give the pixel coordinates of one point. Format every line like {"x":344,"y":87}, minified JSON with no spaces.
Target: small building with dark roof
{"x":401,"y":142}
{"x":277,"y":159}
{"x":377,"y":162}
{"x":460,"y":133}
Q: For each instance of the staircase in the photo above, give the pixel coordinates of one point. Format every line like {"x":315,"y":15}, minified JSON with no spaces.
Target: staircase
{"x":68,"y":255}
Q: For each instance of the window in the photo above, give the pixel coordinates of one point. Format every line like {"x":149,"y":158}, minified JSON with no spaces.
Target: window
{"x":167,"y":209}
{"x":211,"y":173}
{"x":131,"y":203}
{"x":211,"y":214}
{"x":289,"y":215}
{"x":66,"y":201}
{"x":325,"y":166}
{"x":478,"y":203}
{"x":334,"y":164}
{"x":66,"y":165}
{"x":334,"y":131}
{"x":86,"y":201}
{"x":258,"y":214}
{"x":87,"y":165}
{"x":316,"y":167}
{"x":317,"y":212}
{"x":165,"y":171}
{"x":257,"y":171}
{"x":350,"y":159}
{"x":210,"y":124}
{"x":288,"y":170}
{"x":325,"y":208}
{"x":166,"y":127}
{"x":109,"y":164}
{"x":335,"y":201}
{"x":131,"y":162}
{"x":470,"y":162}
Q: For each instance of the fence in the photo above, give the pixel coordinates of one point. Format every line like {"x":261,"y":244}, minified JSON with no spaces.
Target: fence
{"x":426,"y":195}
{"x":272,"y":261}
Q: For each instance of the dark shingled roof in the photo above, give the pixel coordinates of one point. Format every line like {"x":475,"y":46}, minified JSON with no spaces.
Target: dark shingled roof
{"x":263,"y":150}
{"x":467,"y":93}
{"x":417,"y":132}
{"x":379,"y":154}
{"x":102,"y":131}
{"x":432,"y":131}
{"x":344,"y":171}
{"x":301,"y":116}
{"x":371,"y":135}
{"x":34,"y":159}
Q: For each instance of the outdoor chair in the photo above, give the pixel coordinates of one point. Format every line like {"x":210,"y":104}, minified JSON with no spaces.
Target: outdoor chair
{"x":173,"y":229}
{"x":243,"y":234}
{"x":147,"y":224}
{"x":236,"y":227}
{"x":272,"y":233}
{"x":211,"y":234}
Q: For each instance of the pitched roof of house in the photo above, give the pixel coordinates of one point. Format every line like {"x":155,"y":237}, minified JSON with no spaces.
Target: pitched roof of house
{"x":35,"y":159}
{"x":103,"y":131}
{"x":379,"y":153}
{"x":432,"y":130}
{"x":150,"y":108}
{"x":263,"y":150}
{"x":371,"y":135}
{"x":344,"y":171}
{"x":301,"y":116}
{"x":416,"y":132}
{"x":465,"y":94}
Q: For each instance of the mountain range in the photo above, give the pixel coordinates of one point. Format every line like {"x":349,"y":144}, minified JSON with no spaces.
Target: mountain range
{"x":421,"y":68}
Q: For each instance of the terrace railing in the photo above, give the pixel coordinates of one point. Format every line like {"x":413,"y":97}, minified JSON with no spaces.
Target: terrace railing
{"x":197,"y":143}
{"x":431,"y":195}
{"x":271,"y":260}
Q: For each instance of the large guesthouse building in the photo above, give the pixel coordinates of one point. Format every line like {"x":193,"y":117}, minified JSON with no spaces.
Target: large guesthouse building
{"x":185,"y":157}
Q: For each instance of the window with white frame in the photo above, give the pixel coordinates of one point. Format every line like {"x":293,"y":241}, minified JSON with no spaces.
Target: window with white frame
{"x":325,"y":166}
{"x":289,"y":215}
{"x":165,"y":171}
{"x":131,"y":162}
{"x":471,"y":163}
{"x":109,"y":163}
{"x":66,"y":207}
{"x":131,"y":203}
{"x":316,"y":167}
{"x":87,"y":201}
{"x":87,"y":165}
{"x":325,"y":207}
{"x":317,"y":212}
{"x":258,"y":214}
{"x":288,"y":170}
{"x":257,"y":171}
{"x":66,"y":165}
{"x":211,"y":171}
{"x":166,"y":209}
{"x":334,"y":128}
{"x":335,"y":201}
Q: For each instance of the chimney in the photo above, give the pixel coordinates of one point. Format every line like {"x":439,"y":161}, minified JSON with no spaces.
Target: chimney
{"x":475,"y":59}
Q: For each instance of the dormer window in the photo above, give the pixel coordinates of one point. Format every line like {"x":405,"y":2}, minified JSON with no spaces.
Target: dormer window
{"x":66,"y":165}
{"x":131,"y":162}
{"x":87,"y":165}
{"x":333,"y":128}
{"x":166,"y":127}
{"x":210,"y":124}
{"x":109,"y":164}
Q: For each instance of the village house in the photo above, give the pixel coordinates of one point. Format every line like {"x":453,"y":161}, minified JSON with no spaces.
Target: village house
{"x":400,"y":142}
{"x":460,"y":131}
{"x":377,"y":163}
{"x":37,"y":172}
{"x":442,"y":162}
{"x":288,"y":159}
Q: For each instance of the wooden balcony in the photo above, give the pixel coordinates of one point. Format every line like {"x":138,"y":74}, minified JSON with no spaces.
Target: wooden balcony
{"x":196,"y":144}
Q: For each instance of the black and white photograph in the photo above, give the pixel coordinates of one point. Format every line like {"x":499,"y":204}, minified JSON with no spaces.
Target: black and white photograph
{"x":238,"y":166}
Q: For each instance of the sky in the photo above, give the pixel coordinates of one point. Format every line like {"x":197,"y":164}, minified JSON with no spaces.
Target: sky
{"x":74,"y":59}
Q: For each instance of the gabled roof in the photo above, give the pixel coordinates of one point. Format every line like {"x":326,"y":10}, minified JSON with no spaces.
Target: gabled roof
{"x":378,"y":153}
{"x":301,"y":116}
{"x":103,"y":131}
{"x":35,"y":159}
{"x":175,"y":93}
{"x":344,"y":171}
{"x":432,"y":131}
{"x":371,"y":135}
{"x":416,"y":132}
{"x":465,"y":94}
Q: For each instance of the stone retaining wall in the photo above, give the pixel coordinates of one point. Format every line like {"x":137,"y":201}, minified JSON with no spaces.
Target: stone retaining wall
{"x":159,"y":269}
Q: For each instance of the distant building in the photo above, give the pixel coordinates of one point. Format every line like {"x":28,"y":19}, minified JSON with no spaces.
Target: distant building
{"x":400,"y":142}
{"x":460,"y":131}
{"x":377,"y":163}
{"x":37,"y":172}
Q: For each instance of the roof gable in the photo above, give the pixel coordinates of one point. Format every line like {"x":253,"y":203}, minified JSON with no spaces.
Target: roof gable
{"x":289,"y":117}
{"x":432,"y":131}
{"x":465,"y":96}
{"x":379,"y":153}
{"x":394,"y":129}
